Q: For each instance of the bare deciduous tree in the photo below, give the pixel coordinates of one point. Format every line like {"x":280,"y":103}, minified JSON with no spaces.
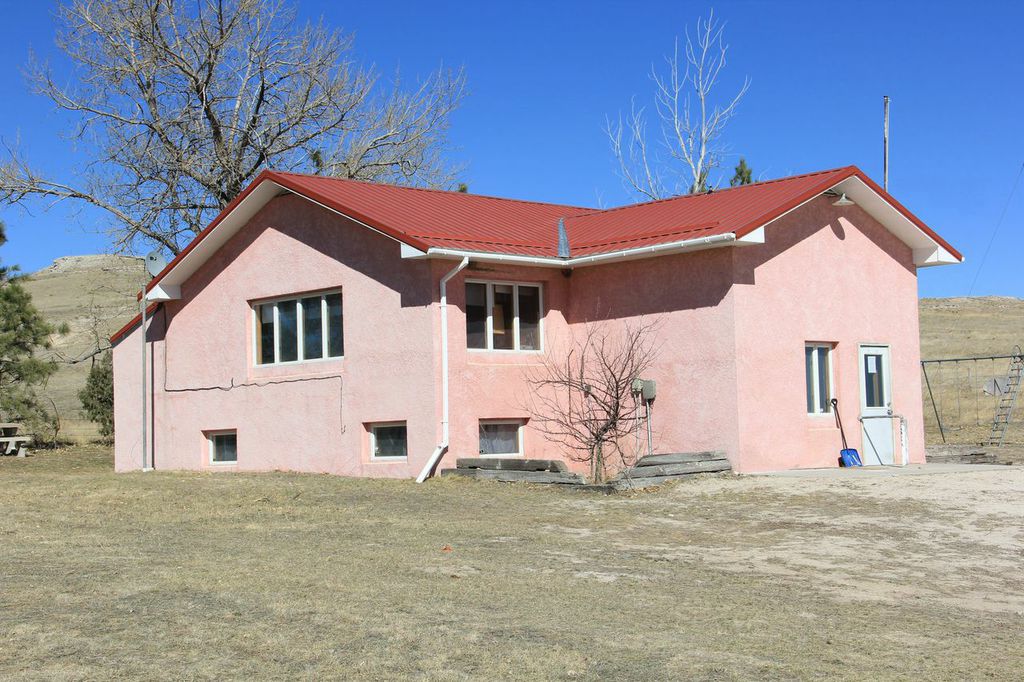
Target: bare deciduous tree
{"x":582,"y":396}
{"x":180,"y":104}
{"x":690,"y":122}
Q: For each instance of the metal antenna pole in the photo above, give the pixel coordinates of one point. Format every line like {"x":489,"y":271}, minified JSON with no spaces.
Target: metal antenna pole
{"x":145,"y":448}
{"x":885,"y":144}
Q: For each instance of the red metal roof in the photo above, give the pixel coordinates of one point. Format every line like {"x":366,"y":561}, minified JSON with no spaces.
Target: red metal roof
{"x":739,"y":210}
{"x":427,"y":218}
{"x":432,"y":218}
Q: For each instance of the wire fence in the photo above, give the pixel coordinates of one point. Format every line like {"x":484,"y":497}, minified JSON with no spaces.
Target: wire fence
{"x":961,"y":396}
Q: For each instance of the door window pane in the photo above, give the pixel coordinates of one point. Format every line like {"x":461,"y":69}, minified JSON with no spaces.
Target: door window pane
{"x":312,"y":329}
{"x":265,"y":333}
{"x":502,"y":317}
{"x":476,"y":315}
{"x":335,"y":327}
{"x":874,"y":381}
{"x":389,"y":441}
{"x":499,"y":438}
{"x":529,"y":318}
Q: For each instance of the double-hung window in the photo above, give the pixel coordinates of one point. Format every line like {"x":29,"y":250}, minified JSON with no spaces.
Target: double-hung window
{"x":299,"y":329}
{"x":503,"y":316}
{"x":818,"y":377}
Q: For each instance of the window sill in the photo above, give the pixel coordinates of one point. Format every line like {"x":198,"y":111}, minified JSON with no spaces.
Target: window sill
{"x":510,"y":455}
{"x":389,"y":460}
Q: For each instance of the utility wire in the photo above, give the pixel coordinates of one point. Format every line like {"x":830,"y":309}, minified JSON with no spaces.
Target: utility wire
{"x":992,"y":239}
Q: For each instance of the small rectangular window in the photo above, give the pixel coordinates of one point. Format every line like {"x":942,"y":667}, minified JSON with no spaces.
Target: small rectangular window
{"x":503,"y":316}
{"x":223,"y":447}
{"x":299,"y":329}
{"x":389,"y":441}
{"x":818,"y":377}
{"x":501,"y":438}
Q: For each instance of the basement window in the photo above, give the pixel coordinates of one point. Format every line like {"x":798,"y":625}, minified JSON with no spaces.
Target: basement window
{"x":389,"y":441}
{"x":223,"y":447}
{"x":818,"y":377}
{"x":503,"y":316}
{"x":501,"y":438}
{"x":299,"y":329}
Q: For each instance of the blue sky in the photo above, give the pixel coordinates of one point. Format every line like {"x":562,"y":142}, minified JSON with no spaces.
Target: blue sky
{"x":544,"y":75}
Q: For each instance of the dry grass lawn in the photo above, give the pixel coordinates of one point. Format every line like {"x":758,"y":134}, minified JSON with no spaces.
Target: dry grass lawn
{"x":288,"y":576}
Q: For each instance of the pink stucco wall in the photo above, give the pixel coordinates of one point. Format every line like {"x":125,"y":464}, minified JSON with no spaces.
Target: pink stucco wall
{"x":732,"y":324}
{"x":828,"y":275}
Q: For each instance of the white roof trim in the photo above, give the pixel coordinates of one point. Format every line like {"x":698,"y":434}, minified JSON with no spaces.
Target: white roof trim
{"x":927,"y":251}
{"x":686,"y":245}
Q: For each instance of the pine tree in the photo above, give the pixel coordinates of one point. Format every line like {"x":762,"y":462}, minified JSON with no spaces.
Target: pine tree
{"x":743,"y":175}
{"x":98,"y":395}
{"x":23,"y":332}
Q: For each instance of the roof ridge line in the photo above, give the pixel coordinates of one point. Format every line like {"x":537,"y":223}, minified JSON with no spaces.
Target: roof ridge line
{"x":717,"y":191}
{"x":432,"y":190}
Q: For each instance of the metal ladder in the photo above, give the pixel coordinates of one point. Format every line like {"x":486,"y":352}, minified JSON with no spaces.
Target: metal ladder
{"x":1004,"y":410}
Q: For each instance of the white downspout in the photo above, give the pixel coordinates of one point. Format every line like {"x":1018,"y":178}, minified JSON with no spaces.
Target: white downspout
{"x":443,"y":446}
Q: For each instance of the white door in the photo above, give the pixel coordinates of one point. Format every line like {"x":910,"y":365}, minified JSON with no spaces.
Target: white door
{"x":876,"y":405}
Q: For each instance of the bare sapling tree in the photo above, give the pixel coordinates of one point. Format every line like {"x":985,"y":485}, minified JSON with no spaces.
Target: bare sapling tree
{"x":180,"y":104}
{"x":690,"y":120}
{"x":582,"y":396}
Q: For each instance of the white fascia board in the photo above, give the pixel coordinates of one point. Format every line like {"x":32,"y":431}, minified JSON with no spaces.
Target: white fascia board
{"x":411,"y":251}
{"x":581,"y":261}
{"x":164,"y":292}
{"x":755,"y":237}
{"x":929,"y":257}
{"x":927,"y":252}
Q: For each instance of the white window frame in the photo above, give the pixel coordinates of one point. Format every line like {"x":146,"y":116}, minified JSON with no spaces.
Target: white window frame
{"x":815,"y":384}
{"x":210,"y":447}
{"x":300,"y":331}
{"x":371,"y":429}
{"x":519,"y":437}
{"x":489,"y":326}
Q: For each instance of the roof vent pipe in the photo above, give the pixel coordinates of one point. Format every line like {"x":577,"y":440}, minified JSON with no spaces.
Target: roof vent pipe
{"x":563,"y":239}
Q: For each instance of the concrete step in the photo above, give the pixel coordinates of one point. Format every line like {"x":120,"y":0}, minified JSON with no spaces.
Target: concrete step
{"x":681,"y":469}
{"x":505,"y":476}
{"x":511,"y":464}
{"x":680,"y":458}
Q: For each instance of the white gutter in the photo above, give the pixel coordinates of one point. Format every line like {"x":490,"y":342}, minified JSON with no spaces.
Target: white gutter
{"x":624,"y":254}
{"x":443,"y":445}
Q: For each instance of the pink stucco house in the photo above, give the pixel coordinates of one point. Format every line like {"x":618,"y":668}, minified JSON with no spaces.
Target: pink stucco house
{"x":326,"y":325}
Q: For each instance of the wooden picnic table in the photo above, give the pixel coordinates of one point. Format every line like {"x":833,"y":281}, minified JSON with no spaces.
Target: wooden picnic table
{"x":11,"y":443}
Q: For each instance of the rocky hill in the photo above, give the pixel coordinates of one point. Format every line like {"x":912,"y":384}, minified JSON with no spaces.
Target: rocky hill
{"x":95,"y":296}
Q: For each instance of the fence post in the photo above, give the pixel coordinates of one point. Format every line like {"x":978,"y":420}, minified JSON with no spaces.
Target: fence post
{"x":942,"y":432}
